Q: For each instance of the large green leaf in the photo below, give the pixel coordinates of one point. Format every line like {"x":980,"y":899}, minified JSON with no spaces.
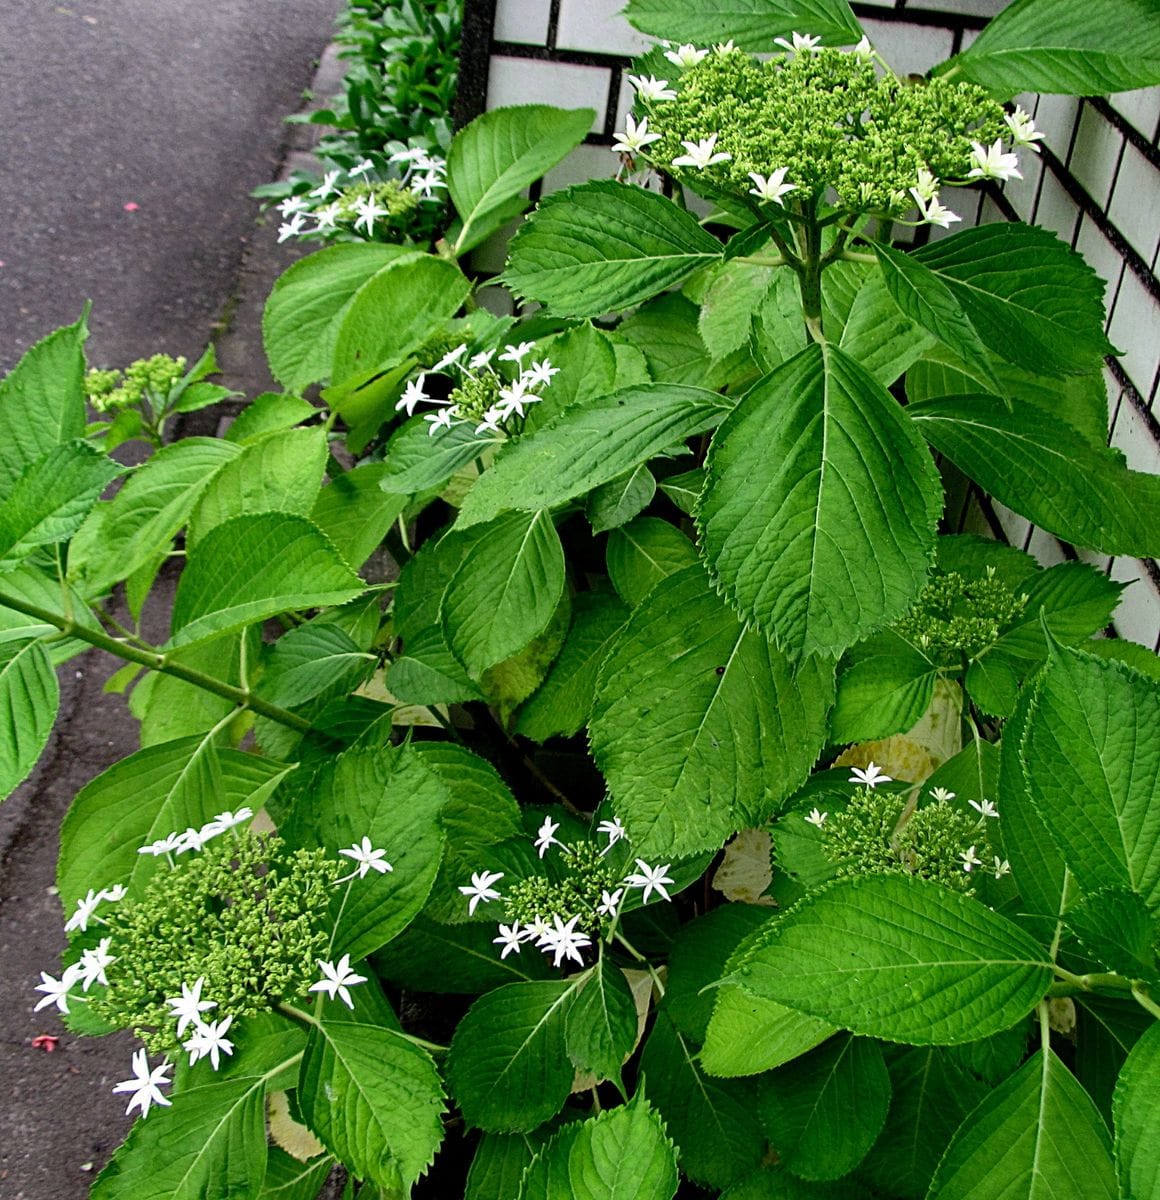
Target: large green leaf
{"x":1069,"y":46}
{"x":394,"y":312}
{"x":355,"y":512}
{"x":600,"y":1030}
{"x":253,"y":567}
{"x":1091,"y":752}
{"x":1115,"y":927}
{"x":819,"y":510}
{"x":1037,"y":1136}
{"x":586,"y":359}
{"x":1136,"y":1109}
{"x":590,"y":444}
{"x":307,"y":306}
{"x":701,"y":725}
{"x":748,"y":1034}
{"x":619,"y":1155}
{"x":141,"y":520}
{"x":289,"y":1179}
{"x":42,"y":401}
{"x":825,"y":1110}
{"x":374,"y":1099}
{"x":642,"y":553}
{"x":752,"y":24}
{"x":665,"y":332}
{"x":144,"y":797}
{"x":416,"y":460}
{"x":1047,"y":472}
{"x":495,"y":157}
{"x":885,"y":684}
{"x":210,"y":1142}
{"x":508,"y":1066}
{"x":29,"y":699}
{"x":879,"y":336}
{"x":616,"y":502}
{"x":310,"y":660}
{"x":600,"y":246}
{"x":505,"y":590}
{"x":899,"y":958}
{"x":49,"y":502}
{"x":270,"y":412}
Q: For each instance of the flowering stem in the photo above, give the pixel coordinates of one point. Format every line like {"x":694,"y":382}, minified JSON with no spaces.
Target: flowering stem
{"x":155,"y":660}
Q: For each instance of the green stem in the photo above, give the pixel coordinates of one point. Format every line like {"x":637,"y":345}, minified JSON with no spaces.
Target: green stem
{"x":1090,"y":983}
{"x":758,"y":260}
{"x":155,"y":660}
{"x":858,"y":256}
{"x":297,"y":1014}
{"x":1145,"y":1001}
{"x":658,"y":983}
{"x":810,"y":278}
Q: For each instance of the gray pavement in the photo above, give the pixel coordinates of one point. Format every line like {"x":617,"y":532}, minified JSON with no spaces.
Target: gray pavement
{"x":175,"y":107}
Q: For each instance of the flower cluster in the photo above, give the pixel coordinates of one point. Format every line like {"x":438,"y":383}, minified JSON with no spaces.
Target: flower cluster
{"x":591,"y":893}
{"x":812,"y":123}
{"x":358,"y":205}
{"x":484,"y":395}
{"x":954,"y":616}
{"x":879,"y":832}
{"x":149,"y":379}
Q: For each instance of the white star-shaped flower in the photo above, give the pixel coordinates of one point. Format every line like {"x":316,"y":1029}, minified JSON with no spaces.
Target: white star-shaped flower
{"x":871,"y":777}
{"x":816,"y":818}
{"x":652,"y":879}
{"x":941,"y":794}
{"x":441,"y":419}
{"x":863,"y":49}
{"x":539,"y":373}
{"x":701,"y":154}
{"x":413,"y":394}
{"x":984,"y":808}
{"x":652,"y":88}
{"x":94,"y":962}
{"x":517,"y":354}
{"x":145,"y":1084}
{"x":369,"y":211}
{"x":327,"y":217}
{"x":801,"y":42}
{"x":492,"y":421}
{"x":970,"y":859}
{"x":336,"y":978}
{"x":771,"y":187}
{"x":56,"y":990}
{"x":361,"y":168}
{"x":367,"y":859}
{"x":513,"y":398}
{"x":546,"y":836}
{"x":328,"y":186}
{"x":117,"y":892}
{"x":483,"y":359}
{"x":224,"y":821}
{"x":165,"y":845}
{"x":686,"y":56}
{"x":933,"y":213}
{"x":294,"y":204}
{"x":292,"y":227}
{"x":1023,"y":131}
{"x":190,"y":839}
{"x":1002,"y":867}
{"x":989,"y":162}
{"x":615,"y":831}
{"x":86,"y":906}
{"x":509,"y":938}
{"x":536,"y":930}
{"x":427,"y":183}
{"x":452,"y":356}
{"x":210,"y":1041}
{"x":481,"y":888}
{"x":566,"y":941}
{"x":609,"y":902}
{"x":189,"y":1006}
{"x":926,"y":188}
{"x":410,"y":154}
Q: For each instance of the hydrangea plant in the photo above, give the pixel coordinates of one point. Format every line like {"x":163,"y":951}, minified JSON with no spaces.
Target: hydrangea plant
{"x":834,"y":828}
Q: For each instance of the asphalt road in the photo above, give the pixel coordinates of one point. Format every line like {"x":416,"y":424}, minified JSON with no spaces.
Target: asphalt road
{"x":174,"y":107}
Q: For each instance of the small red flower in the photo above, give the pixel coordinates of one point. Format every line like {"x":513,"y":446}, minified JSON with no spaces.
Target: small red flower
{"x":47,"y":1042}
{"x":131,"y":206}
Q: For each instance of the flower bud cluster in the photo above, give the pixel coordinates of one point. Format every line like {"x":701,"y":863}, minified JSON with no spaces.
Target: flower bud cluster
{"x":146,"y":378}
{"x":954,"y":616}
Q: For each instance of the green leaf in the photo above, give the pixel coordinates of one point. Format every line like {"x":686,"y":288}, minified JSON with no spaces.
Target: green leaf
{"x":779,"y":332}
{"x":642,"y":553}
{"x":825,"y":1110}
{"x":1106,"y":1030}
{"x":505,"y":590}
{"x":752,"y":24}
{"x":885,"y":684}
{"x":834,"y":539}
{"x":1066,"y":46}
{"x":428,"y":673}
{"x":308,"y":304}
{"x":601,"y":246}
{"x":29,"y":699}
{"x":1136,"y":1110}
{"x":373,"y":1099}
{"x":619,"y":500}
{"x":562,"y":703}
{"x":146,"y":796}
{"x":586,"y":359}
{"x":394,"y":312}
{"x":900,"y":958}
{"x":500,"y":1162}
{"x":271,"y":412}
{"x":700,"y":725}
{"x":254,"y":567}
{"x":1115,"y":927}
{"x":42,"y":401}
{"x":600,"y":1030}
{"x":142,"y":519}
{"x":1037,"y":1135}
{"x":416,"y":460}
{"x":713,"y":1121}
{"x":619,"y":1155}
{"x":879,"y":336}
{"x":1091,"y":752}
{"x":289,"y":1179}
{"x":310,"y":660}
{"x":684,"y":490}
{"x":495,"y":157}
{"x":508,"y":1066}
{"x":1047,"y":472}
{"x":591,"y":444}
{"x":49,"y":502}
{"x":730,"y":304}
{"x":36,"y":586}
{"x":356,"y":513}
{"x":210,"y":1142}
{"x":664,"y":331}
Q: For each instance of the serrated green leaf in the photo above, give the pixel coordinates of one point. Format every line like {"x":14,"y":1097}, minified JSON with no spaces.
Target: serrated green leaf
{"x":505,"y":591}
{"x":748,"y":1034}
{"x":834,"y":540}
{"x":664,"y":332}
{"x":212,"y":1142}
{"x":642,"y":553}
{"x":779,"y":331}
{"x":600,"y":1030}
{"x":36,"y":586}
{"x":1036,"y":1135}
{"x":586,"y":359}
{"x":879,"y":336}
{"x":270,"y":412}
{"x":508,"y":1065}
{"x":1091,"y":753}
{"x":1047,"y":472}
{"x":495,"y":157}
{"x":289,"y":1179}
{"x":619,"y":500}
{"x":885,"y":684}
{"x":29,"y":699}
{"x":373,"y":1099}
{"x":684,"y":490}
{"x":730,"y":304}
{"x":701,"y":726}
{"x":500,"y":1162}
{"x":306,"y":308}
{"x":42,"y":401}
{"x":1116,"y":928}
{"x":604,"y":245}
{"x":428,"y":673}
{"x":900,"y":958}
{"x":752,"y":24}
{"x":1106,"y":1030}
{"x":1066,"y":46}
{"x":590,"y":444}
{"x":355,"y":512}
{"x":1136,"y":1110}
{"x":415,"y":460}
{"x":252,"y":568}
{"x":310,"y":660}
